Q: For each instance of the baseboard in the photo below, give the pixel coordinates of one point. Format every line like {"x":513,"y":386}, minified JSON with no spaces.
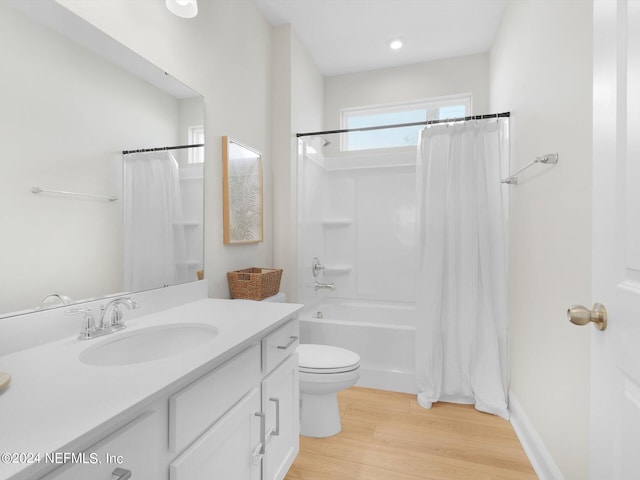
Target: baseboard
{"x":539,"y":456}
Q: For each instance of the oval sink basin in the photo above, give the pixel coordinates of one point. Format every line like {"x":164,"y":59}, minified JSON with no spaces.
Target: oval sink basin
{"x":148,"y":344}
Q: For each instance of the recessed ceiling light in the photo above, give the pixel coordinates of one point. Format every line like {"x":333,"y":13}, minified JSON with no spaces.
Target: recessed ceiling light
{"x":396,"y":43}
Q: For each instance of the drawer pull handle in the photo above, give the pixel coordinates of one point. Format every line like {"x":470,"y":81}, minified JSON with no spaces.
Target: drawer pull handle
{"x":291,"y":342}
{"x":276,"y":431}
{"x":121,"y":474}
{"x":263,"y":432}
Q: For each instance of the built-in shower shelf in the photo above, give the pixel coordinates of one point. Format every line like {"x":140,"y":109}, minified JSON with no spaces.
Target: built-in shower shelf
{"x":337,"y":222}
{"x":189,"y":263}
{"x":337,"y":269}
{"x":188,"y":224}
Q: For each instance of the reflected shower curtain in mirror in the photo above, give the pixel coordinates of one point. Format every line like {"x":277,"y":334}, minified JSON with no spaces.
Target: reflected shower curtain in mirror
{"x":461,"y":330}
{"x":154,"y":241}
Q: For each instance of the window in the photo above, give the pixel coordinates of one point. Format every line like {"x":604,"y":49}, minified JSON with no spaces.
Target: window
{"x":196,"y":137}
{"x":439,"y":108}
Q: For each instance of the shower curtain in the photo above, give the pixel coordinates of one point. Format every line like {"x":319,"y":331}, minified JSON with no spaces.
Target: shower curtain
{"x":461,"y":331}
{"x":154,"y":241}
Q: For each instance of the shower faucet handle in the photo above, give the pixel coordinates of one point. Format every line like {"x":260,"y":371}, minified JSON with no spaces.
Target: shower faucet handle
{"x":316,"y":267}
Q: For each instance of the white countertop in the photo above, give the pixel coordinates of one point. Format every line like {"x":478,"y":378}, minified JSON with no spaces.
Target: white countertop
{"x":55,"y":402}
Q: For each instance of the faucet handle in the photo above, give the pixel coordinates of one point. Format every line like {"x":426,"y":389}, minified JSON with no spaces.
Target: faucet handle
{"x":115,"y":320}
{"x":88,"y":325}
{"x":316,"y":267}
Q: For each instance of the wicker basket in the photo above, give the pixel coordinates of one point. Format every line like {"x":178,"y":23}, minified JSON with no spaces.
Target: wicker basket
{"x":254,"y":283}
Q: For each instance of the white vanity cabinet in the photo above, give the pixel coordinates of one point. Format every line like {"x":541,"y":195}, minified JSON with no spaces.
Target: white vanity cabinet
{"x":239,"y":421}
{"x":257,"y":439}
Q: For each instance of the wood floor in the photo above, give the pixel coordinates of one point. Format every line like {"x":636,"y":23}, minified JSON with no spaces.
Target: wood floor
{"x":388,"y":436}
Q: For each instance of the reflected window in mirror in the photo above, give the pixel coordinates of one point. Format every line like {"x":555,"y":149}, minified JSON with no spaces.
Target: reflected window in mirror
{"x":196,"y":137}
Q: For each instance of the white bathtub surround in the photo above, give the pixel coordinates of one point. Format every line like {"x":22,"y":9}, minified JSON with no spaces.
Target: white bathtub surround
{"x":461,"y":322}
{"x":357,"y":216}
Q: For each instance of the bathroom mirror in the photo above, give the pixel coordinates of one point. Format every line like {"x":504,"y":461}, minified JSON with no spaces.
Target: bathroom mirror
{"x":242,"y":190}
{"x":73,"y":99}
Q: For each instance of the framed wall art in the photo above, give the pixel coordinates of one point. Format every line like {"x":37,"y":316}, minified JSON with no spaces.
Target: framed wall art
{"x":242,"y":190}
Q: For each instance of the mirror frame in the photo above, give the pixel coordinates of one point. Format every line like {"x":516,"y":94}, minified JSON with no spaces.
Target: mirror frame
{"x":251,"y":201}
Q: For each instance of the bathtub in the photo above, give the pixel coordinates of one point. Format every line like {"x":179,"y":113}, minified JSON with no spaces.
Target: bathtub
{"x":381,"y":333}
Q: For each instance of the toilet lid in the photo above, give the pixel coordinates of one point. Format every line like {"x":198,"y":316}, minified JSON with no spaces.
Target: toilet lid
{"x":326,"y":359}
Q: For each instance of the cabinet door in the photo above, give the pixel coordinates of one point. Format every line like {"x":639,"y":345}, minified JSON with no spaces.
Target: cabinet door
{"x":280,"y":403}
{"x":134,"y":447}
{"x":228,"y":450}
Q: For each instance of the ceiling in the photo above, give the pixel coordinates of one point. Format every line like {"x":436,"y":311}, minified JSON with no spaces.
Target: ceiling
{"x":347,"y":36}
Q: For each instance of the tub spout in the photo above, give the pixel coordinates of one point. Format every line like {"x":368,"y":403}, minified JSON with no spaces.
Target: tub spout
{"x":329,"y":286}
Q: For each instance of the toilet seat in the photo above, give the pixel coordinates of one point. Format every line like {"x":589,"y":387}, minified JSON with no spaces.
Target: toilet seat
{"x":326,"y":359}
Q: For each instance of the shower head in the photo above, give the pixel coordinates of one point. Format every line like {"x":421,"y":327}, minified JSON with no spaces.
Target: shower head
{"x":318,"y":141}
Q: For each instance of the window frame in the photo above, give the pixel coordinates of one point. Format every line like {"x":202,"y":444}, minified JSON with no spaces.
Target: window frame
{"x":196,"y":137}
{"x":430,"y":105}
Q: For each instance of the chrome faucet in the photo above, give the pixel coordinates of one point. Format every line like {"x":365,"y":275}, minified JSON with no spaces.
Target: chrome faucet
{"x":329,"y":286}
{"x":113,"y":321}
{"x":110,"y":318}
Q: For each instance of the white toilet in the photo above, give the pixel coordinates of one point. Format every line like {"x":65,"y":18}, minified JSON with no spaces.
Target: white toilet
{"x":324,"y":371}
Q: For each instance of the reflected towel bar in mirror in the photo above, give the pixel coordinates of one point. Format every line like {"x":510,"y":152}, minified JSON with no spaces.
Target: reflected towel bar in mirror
{"x":110,"y":198}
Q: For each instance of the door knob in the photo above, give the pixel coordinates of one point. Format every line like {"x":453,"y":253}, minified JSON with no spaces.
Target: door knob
{"x":579,"y":315}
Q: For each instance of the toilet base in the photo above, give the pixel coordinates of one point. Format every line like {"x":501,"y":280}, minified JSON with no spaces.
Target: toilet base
{"x":319,"y":415}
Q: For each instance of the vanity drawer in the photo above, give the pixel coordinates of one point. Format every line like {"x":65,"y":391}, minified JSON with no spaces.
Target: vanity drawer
{"x":137,"y":447}
{"x":280,"y":344}
{"x":195,"y":408}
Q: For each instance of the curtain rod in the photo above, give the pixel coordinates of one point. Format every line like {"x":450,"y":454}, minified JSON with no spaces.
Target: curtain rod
{"x":159,"y":149}
{"x":413,"y":124}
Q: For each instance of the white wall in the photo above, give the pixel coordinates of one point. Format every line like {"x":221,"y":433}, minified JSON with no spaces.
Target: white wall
{"x":225,"y":54}
{"x":541,"y":72}
{"x":297,"y":100}
{"x":469,"y":74}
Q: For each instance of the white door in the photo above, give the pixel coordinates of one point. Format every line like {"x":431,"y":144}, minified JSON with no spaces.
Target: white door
{"x":615,"y":352}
